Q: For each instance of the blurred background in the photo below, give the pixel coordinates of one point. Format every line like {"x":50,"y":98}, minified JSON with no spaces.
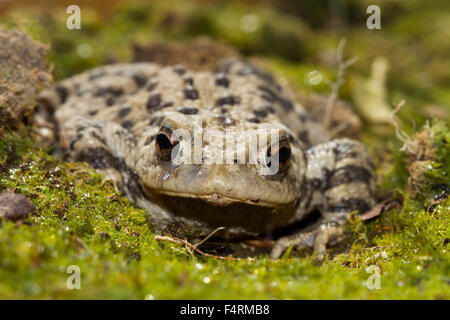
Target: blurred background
{"x":296,"y":38}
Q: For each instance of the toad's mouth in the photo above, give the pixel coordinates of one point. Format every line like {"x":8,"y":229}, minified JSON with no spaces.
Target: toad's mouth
{"x":217,"y":210}
{"x":220,"y":200}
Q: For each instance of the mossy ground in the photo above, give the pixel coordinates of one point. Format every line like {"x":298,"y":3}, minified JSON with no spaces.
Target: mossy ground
{"x":81,"y":220}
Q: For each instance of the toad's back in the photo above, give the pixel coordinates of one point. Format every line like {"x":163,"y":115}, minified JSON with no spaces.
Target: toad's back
{"x":138,"y":95}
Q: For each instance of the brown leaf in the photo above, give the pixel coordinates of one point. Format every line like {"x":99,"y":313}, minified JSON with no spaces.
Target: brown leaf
{"x":380,"y":207}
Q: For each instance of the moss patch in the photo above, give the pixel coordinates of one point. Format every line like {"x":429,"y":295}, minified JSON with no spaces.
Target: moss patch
{"x":84,"y":222}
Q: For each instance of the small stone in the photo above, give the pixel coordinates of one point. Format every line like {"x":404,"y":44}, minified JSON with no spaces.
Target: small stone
{"x":104,"y":235}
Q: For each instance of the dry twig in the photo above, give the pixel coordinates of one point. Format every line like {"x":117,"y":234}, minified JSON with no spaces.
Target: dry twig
{"x":335,"y":86}
{"x":194,"y":247}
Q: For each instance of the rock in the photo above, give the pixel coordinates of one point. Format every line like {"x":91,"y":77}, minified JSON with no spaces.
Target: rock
{"x":15,"y":207}
{"x":202,"y":53}
{"x":24,"y":71}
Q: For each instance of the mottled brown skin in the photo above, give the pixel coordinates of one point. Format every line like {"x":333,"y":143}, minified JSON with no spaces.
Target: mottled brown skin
{"x":119,"y":118}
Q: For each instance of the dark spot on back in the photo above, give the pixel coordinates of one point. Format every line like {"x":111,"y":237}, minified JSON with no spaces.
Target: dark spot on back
{"x":248,"y":69}
{"x":188,"y":110}
{"x":222,"y":81}
{"x":98,"y":158}
{"x":153,"y":101}
{"x":188,"y":80}
{"x":268,"y":98}
{"x":109,"y":101}
{"x":93,"y":113}
{"x":254,"y":120}
{"x":114,"y":91}
{"x":191,"y":93}
{"x":260,"y":113}
{"x":156,"y":121}
{"x":267,"y":77}
{"x":140,"y":80}
{"x":62,"y":92}
{"x":267,"y":91}
{"x":230,"y":100}
{"x":166,"y":105}
{"x":124,"y":112}
{"x":286,"y":104}
{"x":179,"y":70}
{"x":343,"y":151}
{"x":127,"y":124}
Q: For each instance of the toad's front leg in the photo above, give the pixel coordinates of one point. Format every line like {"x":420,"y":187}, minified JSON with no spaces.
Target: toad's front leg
{"x":106,"y":146}
{"x":341,"y":175}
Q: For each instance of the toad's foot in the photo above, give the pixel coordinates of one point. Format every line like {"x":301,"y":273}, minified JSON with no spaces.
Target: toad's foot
{"x":318,"y":238}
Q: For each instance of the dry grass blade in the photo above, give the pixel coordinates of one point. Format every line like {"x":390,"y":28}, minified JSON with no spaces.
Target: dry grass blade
{"x":335,"y":86}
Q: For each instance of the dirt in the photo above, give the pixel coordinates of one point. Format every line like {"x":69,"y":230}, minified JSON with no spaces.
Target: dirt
{"x":24,"y":71}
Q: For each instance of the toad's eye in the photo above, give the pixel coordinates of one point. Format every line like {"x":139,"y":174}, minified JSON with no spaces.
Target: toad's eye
{"x":278,"y":155}
{"x":167,"y":145}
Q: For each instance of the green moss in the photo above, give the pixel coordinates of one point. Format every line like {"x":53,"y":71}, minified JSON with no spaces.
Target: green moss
{"x":82,"y":221}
